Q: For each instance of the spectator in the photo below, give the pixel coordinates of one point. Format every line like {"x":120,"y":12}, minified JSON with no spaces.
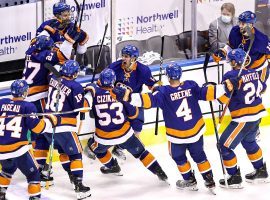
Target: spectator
{"x":220,"y":28}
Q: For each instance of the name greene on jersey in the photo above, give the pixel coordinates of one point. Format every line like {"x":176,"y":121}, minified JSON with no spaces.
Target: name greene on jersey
{"x":250,"y":77}
{"x":66,"y":90}
{"x":11,"y":108}
{"x":181,"y":94}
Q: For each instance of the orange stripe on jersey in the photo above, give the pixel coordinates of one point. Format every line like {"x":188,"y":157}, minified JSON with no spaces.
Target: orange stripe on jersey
{"x":61,"y":57}
{"x":68,"y":120}
{"x":247,"y":111}
{"x":223,"y":99}
{"x":135,"y":115}
{"x":234,"y":133}
{"x":12,"y":147}
{"x":230,"y":163}
{"x":210,"y":94}
{"x":43,"y":104}
{"x":263,"y":74}
{"x":186,"y":133}
{"x":76,"y":164}
{"x":76,"y":139}
{"x":146,"y":101}
{"x":255,"y":156}
{"x":258,"y":63}
{"x":184,"y":168}
{"x":34,"y":189}
{"x":106,"y":158}
{"x":113,"y":134}
{"x":63,"y":157}
{"x":4,"y":181}
{"x":49,"y":29}
{"x":39,"y":127}
{"x":37,"y":89}
{"x":148,"y":160}
{"x":85,"y":105}
{"x":40,"y":153}
{"x":204,"y":167}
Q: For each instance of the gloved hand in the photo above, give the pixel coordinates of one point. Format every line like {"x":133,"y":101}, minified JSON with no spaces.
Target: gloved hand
{"x":219,"y":54}
{"x":90,"y":87}
{"x":54,"y":119}
{"x":122,"y":85}
{"x":72,"y":34}
{"x":120,"y":94}
{"x":232,"y":84}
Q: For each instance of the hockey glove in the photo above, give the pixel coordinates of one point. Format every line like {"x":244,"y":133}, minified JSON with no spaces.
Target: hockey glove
{"x":72,"y":35}
{"x":218,"y":55}
{"x":120,"y":94}
{"x":232,"y":84}
{"x":54,"y":119}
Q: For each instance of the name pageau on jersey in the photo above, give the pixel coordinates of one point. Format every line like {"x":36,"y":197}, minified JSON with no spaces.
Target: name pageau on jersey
{"x":259,"y":53}
{"x":181,"y":111}
{"x":70,"y":98}
{"x":246,"y":103}
{"x":13,"y":131}
{"x":139,"y":75}
{"x":111,"y":117}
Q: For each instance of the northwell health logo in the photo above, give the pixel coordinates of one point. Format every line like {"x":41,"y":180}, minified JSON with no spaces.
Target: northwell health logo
{"x":130,"y":26}
{"x":8,"y":43}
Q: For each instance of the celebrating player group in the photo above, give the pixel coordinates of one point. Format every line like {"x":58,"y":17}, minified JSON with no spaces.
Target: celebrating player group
{"x":49,"y":87}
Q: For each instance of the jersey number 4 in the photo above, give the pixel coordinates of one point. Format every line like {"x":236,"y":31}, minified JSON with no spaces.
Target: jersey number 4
{"x":184,"y":111}
{"x":14,"y":125}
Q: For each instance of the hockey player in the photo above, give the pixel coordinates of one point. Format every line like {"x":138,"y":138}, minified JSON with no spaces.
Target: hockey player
{"x":183,"y":121}
{"x":239,"y":38}
{"x":66,"y":95}
{"x":113,"y":128}
{"x":14,"y":149}
{"x":246,"y":111}
{"x":42,"y":52}
{"x":133,"y":74}
{"x":60,"y":28}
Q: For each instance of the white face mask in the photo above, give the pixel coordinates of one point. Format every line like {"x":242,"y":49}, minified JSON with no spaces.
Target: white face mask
{"x":226,"y":19}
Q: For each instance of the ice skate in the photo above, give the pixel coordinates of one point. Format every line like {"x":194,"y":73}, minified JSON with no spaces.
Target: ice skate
{"x":258,"y":176}
{"x":115,"y":169}
{"x":190,"y":184}
{"x":118,"y":152}
{"x":234,"y":181}
{"x":82,"y":191}
{"x":210,"y":183}
{"x":161,"y":174}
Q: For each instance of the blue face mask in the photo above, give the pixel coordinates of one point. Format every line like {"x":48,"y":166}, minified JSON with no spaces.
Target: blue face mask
{"x":226,"y":19}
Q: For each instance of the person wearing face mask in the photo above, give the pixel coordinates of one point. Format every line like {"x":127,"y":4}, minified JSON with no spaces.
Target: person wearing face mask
{"x":220,"y":28}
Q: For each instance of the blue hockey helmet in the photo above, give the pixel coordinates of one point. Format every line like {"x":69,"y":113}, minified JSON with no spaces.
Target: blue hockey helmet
{"x":130,"y":50}
{"x":107,"y":78}
{"x":247,"y":17}
{"x":70,"y":68}
{"x":237,"y":55}
{"x":19,"y":88}
{"x":173,"y":71}
{"x":60,"y":7}
{"x":43,"y":42}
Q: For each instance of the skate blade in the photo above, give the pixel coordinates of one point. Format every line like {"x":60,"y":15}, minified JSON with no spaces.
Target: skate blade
{"x":258,"y":181}
{"x":212,"y":191}
{"x":234,"y":186}
{"x":114,"y":174}
{"x":83,"y":195}
{"x":190,"y":188}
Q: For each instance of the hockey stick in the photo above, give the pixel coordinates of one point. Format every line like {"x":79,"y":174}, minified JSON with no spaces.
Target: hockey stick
{"x":159,"y":78}
{"x":252,"y":37}
{"x":78,"y":13}
{"x":205,"y":64}
{"x":49,"y":113}
{"x":100,"y":50}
